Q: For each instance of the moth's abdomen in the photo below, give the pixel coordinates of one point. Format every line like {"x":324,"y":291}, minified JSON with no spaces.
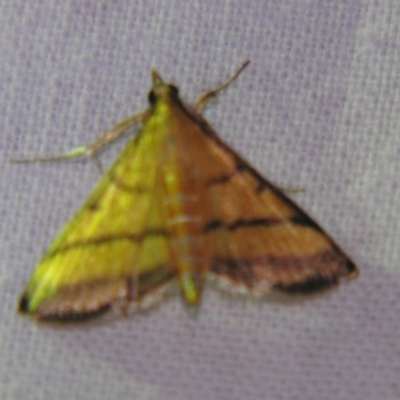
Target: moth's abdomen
{"x":184,"y":216}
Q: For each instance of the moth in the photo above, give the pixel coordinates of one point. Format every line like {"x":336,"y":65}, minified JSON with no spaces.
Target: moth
{"x":178,"y":206}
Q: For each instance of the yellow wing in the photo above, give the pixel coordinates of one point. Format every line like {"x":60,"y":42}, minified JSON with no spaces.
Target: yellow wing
{"x":105,"y":255}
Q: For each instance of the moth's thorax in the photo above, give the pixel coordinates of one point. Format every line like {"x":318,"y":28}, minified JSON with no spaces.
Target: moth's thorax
{"x":162,"y":119}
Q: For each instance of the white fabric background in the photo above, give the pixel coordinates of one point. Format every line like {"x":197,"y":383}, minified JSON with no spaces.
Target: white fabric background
{"x":317,"y":108}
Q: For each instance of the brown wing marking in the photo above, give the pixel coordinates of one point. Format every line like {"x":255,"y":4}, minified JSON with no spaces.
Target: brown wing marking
{"x":84,"y":301}
{"x":260,"y":239}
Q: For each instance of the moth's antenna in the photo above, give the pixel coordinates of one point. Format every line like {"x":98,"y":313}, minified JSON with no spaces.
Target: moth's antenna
{"x":212,"y":93}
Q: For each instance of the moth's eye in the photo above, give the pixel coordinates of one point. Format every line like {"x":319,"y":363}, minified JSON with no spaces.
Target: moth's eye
{"x":174,"y":91}
{"x":152,"y":98}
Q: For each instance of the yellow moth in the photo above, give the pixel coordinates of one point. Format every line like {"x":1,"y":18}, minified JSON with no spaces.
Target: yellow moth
{"x":177,"y":206}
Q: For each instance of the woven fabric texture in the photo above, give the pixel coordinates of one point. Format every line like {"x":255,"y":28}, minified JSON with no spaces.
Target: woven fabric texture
{"x":318,"y":108}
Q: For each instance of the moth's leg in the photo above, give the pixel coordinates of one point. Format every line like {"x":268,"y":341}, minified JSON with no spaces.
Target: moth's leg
{"x":93,"y":148}
{"x":212,"y":93}
{"x":290,"y":189}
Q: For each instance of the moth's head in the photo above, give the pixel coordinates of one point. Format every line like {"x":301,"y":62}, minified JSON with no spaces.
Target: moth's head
{"x":161,"y":90}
